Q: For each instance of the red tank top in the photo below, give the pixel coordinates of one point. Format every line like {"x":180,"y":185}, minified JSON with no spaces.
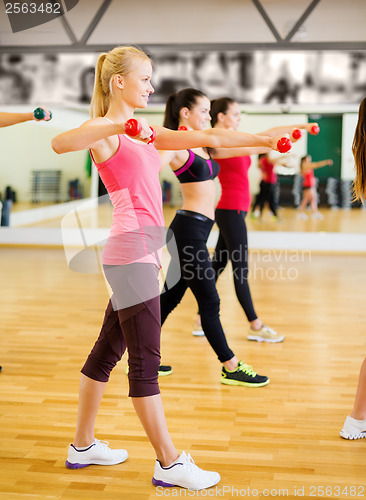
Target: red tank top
{"x":131,"y":177}
{"x":309,"y":179}
{"x":269,"y":175}
{"x":234,"y":182}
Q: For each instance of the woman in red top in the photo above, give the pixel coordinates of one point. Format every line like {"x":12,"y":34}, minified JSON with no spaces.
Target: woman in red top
{"x":309,"y":195}
{"x":268,"y":183}
{"x":232,"y":209}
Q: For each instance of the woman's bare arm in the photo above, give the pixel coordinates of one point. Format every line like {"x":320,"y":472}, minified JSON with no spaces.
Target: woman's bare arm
{"x":7,"y":119}
{"x":212,"y":138}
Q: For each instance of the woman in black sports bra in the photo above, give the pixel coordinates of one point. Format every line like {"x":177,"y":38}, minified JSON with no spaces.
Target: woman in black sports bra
{"x":191,"y":227}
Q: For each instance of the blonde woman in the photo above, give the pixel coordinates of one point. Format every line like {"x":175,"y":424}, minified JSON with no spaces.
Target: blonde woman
{"x":129,"y":169}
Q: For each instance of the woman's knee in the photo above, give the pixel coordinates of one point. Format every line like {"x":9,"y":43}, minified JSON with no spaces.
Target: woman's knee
{"x":143,"y":376}
{"x":98,"y":369}
{"x":210,"y":305}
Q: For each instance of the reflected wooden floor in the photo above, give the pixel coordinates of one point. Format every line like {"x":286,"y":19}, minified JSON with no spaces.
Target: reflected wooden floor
{"x":283,"y":438}
{"x":342,"y":221}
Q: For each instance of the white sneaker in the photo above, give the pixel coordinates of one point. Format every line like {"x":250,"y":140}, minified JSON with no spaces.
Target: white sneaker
{"x":185,"y":473}
{"x":197,"y":329}
{"x":265,"y":334}
{"x":302,"y":215}
{"x":353,"y":429}
{"x":318,"y":216}
{"x":98,"y":453}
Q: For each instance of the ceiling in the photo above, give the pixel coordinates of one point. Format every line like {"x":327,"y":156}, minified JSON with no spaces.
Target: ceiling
{"x":94,"y":25}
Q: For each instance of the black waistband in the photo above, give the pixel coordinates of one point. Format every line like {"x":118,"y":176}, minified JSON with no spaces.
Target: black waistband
{"x":194,"y":215}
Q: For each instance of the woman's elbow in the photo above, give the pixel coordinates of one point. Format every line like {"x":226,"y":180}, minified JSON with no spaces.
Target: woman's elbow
{"x":214,"y":140}
{"x":57,"y":146}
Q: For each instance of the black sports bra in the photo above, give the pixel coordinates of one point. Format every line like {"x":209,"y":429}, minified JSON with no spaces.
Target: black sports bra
{"x":197,"y":169}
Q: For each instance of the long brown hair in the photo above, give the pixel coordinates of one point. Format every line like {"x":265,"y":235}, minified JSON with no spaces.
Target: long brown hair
{"x":118,"y":61}
{"x":185,"y":98}
{"x":359,"y":153}
{"x":219,"y":106}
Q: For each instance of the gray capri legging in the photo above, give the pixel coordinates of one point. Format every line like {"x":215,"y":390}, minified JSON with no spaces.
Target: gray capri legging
{"x":132,"y":321}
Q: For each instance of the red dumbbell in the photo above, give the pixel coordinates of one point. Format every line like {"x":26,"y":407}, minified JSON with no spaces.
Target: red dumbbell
{"x":182,"y":127}
{"x":284,"y":145}
{"x":152,"y":136}
{"x":315,"y":130}
{"x":296,"y":134}
{"x":133,"y":128}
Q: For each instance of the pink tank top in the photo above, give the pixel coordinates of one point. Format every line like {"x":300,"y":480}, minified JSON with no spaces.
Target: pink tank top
{"x":309,"y":179}
{"x":131,"y":177}
{"x":234,"y":182}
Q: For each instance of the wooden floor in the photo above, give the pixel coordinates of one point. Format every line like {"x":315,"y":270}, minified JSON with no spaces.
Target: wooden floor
{"x":339,"y":221}
{"x":281,"y":440}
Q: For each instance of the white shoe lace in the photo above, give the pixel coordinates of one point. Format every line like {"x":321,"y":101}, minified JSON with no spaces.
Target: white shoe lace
{"x":269,"y":330}
{"x":190,"y":466}
{"x":104,"y":445}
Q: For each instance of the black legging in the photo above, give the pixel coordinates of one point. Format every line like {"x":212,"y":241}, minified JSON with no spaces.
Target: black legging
{"x":267,"y":194}
{"x":195,"y":266}
{"x":233,"y":244}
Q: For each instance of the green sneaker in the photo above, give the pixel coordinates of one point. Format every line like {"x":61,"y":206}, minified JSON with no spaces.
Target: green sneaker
{"x":244,"y":375}
{"x":163,"y":371}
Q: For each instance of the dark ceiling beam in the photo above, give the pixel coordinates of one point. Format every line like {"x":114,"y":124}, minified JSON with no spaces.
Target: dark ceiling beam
{"x":67,"y":28}
{"x":95,"y":21}
{"x":301,"y":20}
{"x":163,"y":48}
{"x":267,"y":20}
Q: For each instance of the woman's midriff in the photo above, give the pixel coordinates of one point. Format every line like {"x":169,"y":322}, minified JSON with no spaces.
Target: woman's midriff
{"x":199,"y":197}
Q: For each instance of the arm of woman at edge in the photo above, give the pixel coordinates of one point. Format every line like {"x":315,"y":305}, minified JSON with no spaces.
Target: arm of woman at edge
{"x":7,"y":119}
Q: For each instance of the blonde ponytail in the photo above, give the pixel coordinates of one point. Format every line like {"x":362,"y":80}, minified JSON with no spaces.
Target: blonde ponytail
{"x":100,"y":100}
{"x":118,"y":61}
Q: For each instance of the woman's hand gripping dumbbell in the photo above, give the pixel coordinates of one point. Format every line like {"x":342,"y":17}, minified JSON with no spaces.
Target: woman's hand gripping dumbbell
{"x":134,"y":128}
{"x":42,"y":114}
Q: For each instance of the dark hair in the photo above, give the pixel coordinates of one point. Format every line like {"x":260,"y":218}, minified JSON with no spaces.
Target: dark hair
{"x":219,"y":106}
{"x":185,"y":98}
{"x":302,"y":161}
{"x":359,"y":153}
